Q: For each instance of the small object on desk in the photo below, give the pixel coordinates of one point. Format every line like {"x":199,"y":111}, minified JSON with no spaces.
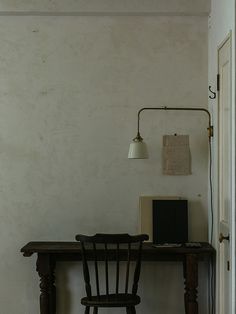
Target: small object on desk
{"x":193,"y":244}
{"x":167,"y":245}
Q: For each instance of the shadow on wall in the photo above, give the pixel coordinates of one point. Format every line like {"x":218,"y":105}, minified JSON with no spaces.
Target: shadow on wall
{"x":165,"y":278}
{"x":161,"y":288}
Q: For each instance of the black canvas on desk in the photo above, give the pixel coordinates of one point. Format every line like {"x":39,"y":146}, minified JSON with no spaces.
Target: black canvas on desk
{"x":170,"y":221}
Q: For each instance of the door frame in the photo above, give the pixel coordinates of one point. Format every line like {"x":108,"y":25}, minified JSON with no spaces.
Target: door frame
{"x":232,"y":211}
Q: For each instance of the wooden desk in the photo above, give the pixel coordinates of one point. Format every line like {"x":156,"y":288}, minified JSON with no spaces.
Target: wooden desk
{"x":49,"y":253}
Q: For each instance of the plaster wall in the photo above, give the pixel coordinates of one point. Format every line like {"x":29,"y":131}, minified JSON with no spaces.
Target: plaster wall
{"x":221,"y":24}
{"x":70,"y":88}
{"x":103,"y":6}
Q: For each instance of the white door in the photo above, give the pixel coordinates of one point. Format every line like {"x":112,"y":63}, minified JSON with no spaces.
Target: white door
{"x":225,"y":175}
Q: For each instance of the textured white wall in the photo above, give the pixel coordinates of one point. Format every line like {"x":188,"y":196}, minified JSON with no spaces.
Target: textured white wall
{"x":221,"y":23}
{"x":151,"y":6}
{"x":70,"y":88}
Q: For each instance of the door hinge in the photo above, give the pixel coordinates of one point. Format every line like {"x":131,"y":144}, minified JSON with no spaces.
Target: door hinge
{"x":218,"y":82}
{"x":228,"y":265}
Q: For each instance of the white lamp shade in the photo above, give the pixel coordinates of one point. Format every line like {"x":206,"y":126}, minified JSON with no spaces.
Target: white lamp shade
{"x":138,"y":150}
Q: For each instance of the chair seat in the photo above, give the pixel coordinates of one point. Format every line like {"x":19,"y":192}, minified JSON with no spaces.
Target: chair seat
{"x":112,"y":300}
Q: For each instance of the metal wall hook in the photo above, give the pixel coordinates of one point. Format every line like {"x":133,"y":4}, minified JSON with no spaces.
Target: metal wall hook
{"x":213,"y":93}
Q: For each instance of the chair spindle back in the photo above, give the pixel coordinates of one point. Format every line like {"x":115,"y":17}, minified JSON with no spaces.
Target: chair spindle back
{"x":111,"y":247}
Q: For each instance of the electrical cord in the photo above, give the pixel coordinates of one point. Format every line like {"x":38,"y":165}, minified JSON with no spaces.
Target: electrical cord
{"x":212,"y":279}
{"x":211,"y":191}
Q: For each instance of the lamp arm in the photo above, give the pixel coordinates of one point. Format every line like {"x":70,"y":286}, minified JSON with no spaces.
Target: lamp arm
{"x":210,"y":127}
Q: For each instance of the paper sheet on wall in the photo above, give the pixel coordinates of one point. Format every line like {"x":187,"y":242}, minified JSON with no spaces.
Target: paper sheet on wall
{"x":176,"y":155}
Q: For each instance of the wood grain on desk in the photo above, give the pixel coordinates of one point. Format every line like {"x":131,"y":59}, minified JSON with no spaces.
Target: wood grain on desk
{"x":149,"y":252}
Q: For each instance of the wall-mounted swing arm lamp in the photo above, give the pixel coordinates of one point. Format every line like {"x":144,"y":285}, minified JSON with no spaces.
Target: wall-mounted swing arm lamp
{"x":138,"y":148}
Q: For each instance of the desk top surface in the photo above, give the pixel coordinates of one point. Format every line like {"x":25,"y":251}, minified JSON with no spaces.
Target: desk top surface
{"x":149,"y":251}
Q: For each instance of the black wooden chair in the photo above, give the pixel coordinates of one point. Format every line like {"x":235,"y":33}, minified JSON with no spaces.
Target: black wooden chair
{"x":108,"y":248}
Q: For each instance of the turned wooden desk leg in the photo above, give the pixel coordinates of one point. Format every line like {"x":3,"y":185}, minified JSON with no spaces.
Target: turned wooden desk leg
{"x":191,"y":284}
{"x":45,"y":269}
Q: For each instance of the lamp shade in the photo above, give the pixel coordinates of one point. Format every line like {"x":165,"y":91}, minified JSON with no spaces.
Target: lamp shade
{"x":138,"y":150}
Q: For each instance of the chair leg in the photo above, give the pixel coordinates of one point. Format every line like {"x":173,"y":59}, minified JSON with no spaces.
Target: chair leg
{"x":95,"y":310}
{"x":87,"y":310}
{"x":133,"y":310}
{"x":130,"y":310}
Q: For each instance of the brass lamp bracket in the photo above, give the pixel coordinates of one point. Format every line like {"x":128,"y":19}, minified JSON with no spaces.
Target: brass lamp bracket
{"x":210,"y":131}
{"x":210,"y":126}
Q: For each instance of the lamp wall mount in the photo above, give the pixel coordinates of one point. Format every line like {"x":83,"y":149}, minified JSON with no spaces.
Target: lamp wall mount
{"x":210,"y":126}
{"x":138,"y":148}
